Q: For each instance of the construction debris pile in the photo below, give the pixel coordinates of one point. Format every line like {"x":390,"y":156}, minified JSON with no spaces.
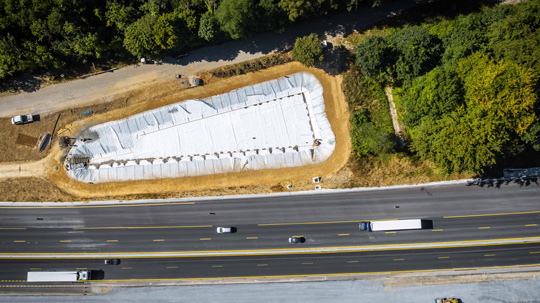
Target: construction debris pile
{"x":274,"y":124}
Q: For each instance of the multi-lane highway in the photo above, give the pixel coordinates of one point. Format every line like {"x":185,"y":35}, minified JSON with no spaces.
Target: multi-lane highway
{"x":459,"y":213}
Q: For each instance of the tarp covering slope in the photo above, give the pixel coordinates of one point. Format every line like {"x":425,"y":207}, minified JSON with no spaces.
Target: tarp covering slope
{"x":273,"y":124}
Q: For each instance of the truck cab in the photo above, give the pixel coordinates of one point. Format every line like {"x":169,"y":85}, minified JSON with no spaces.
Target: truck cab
{"x":364,"y":226}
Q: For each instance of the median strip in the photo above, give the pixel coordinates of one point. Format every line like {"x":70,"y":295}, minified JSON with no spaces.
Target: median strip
{"x":279,"y":251}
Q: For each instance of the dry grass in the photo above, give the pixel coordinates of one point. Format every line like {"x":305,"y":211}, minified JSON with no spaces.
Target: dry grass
{"x":32,"y":190}
{"x":395,"y":169}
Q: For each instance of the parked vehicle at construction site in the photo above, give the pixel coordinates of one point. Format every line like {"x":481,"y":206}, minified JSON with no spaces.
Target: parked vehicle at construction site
{"x":22,"y":119}
{"x":391,"y":225}
{"x":447,"y":300}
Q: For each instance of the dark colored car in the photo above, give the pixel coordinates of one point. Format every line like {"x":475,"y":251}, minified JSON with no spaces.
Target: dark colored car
{"x":112,"y":261}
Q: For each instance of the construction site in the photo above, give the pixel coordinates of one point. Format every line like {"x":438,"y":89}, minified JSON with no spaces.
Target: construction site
{"x":273,"y":130}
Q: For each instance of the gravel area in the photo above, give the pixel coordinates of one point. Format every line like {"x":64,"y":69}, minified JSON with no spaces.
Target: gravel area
{"x":522,"y":291}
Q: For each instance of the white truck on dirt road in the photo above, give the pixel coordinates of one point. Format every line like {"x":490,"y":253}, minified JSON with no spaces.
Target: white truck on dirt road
{"x":22,"y":119}
{"x":390,"y":225}
{"x":58,"y":276}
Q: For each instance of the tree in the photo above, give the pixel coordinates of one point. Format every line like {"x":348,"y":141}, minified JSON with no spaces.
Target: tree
{"x":238,"y":18}
{"x":308,"y":50}
{"x":208,"y":27}
{"x":498,"y":105}
{"x":296,"y":9}
{"x":418,"y":53}
{"x":437,"y":93}
{"x":139,"y":37}
{"x":375,"y":57}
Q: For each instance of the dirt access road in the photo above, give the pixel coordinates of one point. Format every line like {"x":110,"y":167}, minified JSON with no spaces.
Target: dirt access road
{"x":103,"y":88}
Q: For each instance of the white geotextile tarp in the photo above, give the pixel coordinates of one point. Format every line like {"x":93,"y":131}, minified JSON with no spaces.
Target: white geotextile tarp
{"x":267,"y":125}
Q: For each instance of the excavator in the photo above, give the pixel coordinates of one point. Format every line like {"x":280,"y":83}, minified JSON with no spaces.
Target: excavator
{"x":447,"y":300}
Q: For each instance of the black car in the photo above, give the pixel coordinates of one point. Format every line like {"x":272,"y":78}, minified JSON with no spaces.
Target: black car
{"x":112,"y":261}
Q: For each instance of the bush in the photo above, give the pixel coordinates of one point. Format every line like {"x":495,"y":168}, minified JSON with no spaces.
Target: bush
{"x":308,"y":50}
{"x":368,"y":139}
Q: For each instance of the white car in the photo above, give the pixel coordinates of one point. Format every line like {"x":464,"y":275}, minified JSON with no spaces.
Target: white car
{"x":222,"y":230}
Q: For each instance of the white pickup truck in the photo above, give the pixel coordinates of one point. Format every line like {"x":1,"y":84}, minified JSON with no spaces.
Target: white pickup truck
{"x":22,"y":119}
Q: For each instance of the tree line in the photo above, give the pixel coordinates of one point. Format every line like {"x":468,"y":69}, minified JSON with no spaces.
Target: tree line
{"x":467,"y":88}
{"x":52,"y":34}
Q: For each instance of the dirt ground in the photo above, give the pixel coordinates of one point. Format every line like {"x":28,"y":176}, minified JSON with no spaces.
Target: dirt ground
{"x":60,"y":187}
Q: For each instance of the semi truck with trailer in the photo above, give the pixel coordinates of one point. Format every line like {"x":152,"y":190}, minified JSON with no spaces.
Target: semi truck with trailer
{"x":389,"y":225}
{"x":58,"y":276}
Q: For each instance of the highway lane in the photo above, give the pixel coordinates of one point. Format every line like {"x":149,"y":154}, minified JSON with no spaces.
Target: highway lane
{"x":317,"y":234}
{"x":285,"y":265}
{"x":414,"y":202}
{"x":268,"y":222}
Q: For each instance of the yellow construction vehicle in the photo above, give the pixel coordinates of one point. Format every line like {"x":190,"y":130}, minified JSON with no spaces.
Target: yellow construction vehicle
{"x":447,"y":300}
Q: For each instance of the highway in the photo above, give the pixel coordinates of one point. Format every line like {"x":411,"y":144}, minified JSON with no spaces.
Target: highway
{"x":458,"y":213}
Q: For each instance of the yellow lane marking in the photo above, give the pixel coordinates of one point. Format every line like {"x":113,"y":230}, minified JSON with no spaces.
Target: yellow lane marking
{"x":81,"y":268}
{"x":531,"y":224}
{"x":172,"y":266}
{"x":309,"y":275}
{"x":13,"y":228}
{"x":19,"y":241}
{"x":112,"y":240}
{"x":307,"y":223}
{"x":36,"y":268}
{"x":127,"y":267}
{"x":278,"y":251}
{"x":262,"y":264}
{"x":485,"y":227}
{"x":399,"y":259}
{"x":158,"y":240}
{"x":98,"y":206}
{"x":500,"y":214}
{"x":65,"y":241}
{"x":390,"y":232}
{"x":352,"y":261}
{"x":297,"y":236}
{"x":534,"y":252}
{"x":490,"y":255}
{"x":206,"y":239}
{"x":217,"y":265}
{"x":307,"y":263}
{"x":444,"y":257}
{"x":252,"y":238}
{"x":142,"y":227}
{"x":436,"y":230}
{"x":343,"y":234}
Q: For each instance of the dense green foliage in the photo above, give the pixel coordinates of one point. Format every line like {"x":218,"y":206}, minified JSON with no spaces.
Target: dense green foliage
{"x":469,"y":85}
{"x":50,"y":34}
{"x":308,"y":50}
{"x":371,"y":125}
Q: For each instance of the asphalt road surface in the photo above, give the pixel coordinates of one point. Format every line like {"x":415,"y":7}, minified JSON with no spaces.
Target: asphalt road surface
{"x":458,"y":213}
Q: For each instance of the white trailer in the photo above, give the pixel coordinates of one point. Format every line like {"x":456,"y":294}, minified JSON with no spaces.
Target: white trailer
{"x":57,"y":276}
{"x":391,"y":225}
